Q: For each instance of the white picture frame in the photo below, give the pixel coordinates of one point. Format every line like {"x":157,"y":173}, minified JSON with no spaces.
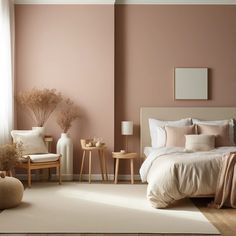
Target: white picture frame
{"x":191,"y":83}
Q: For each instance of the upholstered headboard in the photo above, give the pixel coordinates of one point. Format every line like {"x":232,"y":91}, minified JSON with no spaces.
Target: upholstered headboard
{"x":175,"y":113}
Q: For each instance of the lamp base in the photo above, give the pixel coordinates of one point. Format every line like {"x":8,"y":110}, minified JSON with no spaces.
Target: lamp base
{"x":126,"y":143}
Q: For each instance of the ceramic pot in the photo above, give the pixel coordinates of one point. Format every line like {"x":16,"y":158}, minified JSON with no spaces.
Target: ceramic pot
{"x":65,"y":148}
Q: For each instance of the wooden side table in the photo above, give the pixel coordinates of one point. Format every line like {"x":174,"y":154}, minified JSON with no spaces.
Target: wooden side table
{"x":48,"y":139}
{"x":130,"y":156}
{"x":102,"y":158}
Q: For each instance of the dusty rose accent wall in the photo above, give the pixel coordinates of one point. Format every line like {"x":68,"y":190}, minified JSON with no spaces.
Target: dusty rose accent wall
{"x":70,"y":48}
{"x":153,"y":39}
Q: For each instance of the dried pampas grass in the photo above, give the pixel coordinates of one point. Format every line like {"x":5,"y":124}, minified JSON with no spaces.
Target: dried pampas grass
{"x":10,"y":154}
{"x":68,"y":113}
{"x":40,"y":102}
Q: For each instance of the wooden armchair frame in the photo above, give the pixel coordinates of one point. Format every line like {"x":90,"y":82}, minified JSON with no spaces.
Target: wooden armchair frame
{"x":28,"y":165}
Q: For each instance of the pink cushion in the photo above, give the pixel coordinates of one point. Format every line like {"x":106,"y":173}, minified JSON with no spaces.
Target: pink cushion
{"x":221,"y":133}
{"x":176,"y":135}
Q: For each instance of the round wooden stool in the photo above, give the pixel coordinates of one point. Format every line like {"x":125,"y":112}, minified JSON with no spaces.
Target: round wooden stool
{"x":102,"y":158}
{"x":119,"y":156}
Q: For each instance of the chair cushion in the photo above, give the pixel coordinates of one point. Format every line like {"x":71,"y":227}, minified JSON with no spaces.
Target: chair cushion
{"x":15,"y":132}
{"x":32,"y":141}
{"x":47,"y":157}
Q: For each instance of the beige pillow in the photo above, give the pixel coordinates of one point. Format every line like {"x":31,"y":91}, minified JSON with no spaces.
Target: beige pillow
{"x":32,"y":142}
{"x":221,"y":133}
{"x":218,"y":122}
{"x":201,"y":142}
{"x":175,"y":136}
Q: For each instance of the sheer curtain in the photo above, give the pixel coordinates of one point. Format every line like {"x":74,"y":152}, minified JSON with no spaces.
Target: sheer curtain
{"x":6,"y":69}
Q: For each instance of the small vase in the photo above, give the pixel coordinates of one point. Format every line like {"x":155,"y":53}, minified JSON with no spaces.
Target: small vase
{"x":65,"y":148}
{"x":41,"y":130}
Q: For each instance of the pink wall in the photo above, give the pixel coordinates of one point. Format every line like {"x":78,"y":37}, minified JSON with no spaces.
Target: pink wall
{"x":153,"y":39}
{"x":70,"y":48}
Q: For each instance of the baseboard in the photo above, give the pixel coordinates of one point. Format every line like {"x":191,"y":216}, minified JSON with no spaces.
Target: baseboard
{"x":110,"y":177}
{"x":23,"y":177}
{"x":75,"y":177}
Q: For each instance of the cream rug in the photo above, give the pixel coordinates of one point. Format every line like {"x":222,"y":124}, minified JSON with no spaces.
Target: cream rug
{"x":99,"y":208}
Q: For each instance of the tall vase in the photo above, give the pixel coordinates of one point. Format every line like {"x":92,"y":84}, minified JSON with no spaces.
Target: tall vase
{"x":65,"y":148}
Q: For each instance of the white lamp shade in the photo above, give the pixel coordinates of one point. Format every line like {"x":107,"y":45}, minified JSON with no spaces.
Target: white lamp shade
{"x":127,"y":127}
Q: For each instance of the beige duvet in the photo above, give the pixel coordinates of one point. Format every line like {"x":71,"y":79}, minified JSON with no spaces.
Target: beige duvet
{"x":173,"y":174}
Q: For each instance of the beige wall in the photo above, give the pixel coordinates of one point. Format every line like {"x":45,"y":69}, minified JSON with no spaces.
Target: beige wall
{"x":69,"y":48}
{"x":153,"y":39}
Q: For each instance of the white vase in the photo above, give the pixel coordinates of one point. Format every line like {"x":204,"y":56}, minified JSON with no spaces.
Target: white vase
{"x":41,"y":130}
{"x":65,"y":148}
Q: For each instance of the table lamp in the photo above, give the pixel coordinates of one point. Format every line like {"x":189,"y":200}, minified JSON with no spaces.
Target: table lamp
{"x":126,"y":129}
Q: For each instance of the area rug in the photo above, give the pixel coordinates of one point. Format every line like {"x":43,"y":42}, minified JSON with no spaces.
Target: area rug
{"x":99,"y":208}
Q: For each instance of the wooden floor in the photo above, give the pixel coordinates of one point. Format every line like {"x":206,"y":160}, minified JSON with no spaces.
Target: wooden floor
{"x":110,"y":234}
{"x":223,"y":219}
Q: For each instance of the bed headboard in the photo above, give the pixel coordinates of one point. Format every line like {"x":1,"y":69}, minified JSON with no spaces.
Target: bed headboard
{"x":175,"y":113}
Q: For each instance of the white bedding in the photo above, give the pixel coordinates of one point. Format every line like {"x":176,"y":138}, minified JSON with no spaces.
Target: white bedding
{"x":173,"y":174}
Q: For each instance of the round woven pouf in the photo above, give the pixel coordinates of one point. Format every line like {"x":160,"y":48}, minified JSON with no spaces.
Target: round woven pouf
{"x":11,"y":192}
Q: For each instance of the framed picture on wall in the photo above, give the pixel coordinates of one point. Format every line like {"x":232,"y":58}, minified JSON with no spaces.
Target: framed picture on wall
{"x":191,"y":83}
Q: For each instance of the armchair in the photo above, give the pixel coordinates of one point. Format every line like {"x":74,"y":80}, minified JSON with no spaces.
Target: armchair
{"x":35,"y":153}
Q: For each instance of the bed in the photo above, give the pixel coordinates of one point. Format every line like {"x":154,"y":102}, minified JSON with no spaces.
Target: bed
{"x":172,"y":173}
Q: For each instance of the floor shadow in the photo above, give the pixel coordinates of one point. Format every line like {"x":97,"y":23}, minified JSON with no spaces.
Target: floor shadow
{"x":24,"y":205}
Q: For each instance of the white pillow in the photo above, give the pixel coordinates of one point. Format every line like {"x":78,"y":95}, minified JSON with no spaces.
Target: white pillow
{"x":148,"y":150}
{"x":32,"y":142}
{"x":158,"y":133}
{"x":14,"y":133}
{"x":219,"y":122}
{"x":201,"y":142}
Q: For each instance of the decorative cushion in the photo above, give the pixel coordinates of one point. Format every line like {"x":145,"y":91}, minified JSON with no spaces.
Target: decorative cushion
{"x":15,"y":133}
{"x":11,"y":192}
{"x":175,"y":136}
{"x":201,"y":142}
{"x":43,"y":157}
{"x":32,"y":142}
{"x":219,"y":122}
{"x":221,"y":133}
{"x":158,"y":133}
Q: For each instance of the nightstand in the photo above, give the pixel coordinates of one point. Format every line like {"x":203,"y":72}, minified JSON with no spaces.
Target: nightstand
{"x":101,"y":153}
{"x":122,"y":156}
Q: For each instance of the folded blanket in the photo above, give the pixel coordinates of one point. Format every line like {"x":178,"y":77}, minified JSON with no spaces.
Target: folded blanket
{"x":226,"y":185}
